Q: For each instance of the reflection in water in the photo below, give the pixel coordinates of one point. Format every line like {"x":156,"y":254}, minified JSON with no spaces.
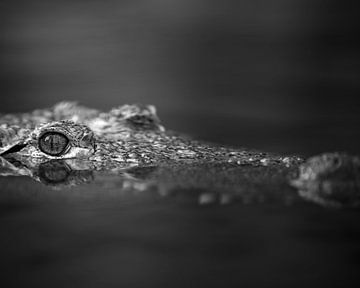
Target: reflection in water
{"x":146,"y":226}
{"x":57,"y":173}
{"x":204,"y":183}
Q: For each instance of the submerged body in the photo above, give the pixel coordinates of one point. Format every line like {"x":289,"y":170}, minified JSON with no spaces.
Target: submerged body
{"x":50,"y":144}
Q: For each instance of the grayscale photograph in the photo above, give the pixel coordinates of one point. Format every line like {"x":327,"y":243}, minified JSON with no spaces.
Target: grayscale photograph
{"x":179,"y":143}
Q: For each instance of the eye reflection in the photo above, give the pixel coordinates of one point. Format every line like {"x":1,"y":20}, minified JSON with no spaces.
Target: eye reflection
{"x":53,"y":143}
{"x":54,"y":172}
{"x":60,"y":173}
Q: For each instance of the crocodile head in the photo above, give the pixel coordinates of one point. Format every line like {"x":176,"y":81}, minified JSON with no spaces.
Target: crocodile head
{"x":67,"y":143}
{"x":54,"y":140}
{"x":69,"y":131}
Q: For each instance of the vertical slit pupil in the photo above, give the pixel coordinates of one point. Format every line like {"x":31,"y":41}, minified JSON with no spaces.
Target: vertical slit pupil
{"x":53,"y":143}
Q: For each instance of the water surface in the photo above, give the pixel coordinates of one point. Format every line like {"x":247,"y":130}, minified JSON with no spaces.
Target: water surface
{"x":216,"y":225}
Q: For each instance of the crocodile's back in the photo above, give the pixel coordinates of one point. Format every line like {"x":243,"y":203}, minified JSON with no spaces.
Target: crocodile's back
{"x":128,"y":134}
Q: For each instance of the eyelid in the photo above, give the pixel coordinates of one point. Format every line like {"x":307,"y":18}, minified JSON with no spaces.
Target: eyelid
{"x":55,"y":130}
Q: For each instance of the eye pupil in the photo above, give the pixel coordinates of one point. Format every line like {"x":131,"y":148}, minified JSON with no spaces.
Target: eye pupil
{"x":53,"y":143}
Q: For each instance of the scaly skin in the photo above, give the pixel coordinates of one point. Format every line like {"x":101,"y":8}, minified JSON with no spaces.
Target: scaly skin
{"x":131,"y":136}
{"x":126,"y":135}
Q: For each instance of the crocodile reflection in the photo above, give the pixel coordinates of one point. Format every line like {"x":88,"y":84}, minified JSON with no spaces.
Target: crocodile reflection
{"x":56,"y":173}
{"x":60,"y":172}
{"x":203,"y":183}
{"x":207,"y":183}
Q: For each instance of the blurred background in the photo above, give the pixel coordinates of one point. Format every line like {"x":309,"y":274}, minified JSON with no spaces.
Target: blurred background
{"x":279,"y":75}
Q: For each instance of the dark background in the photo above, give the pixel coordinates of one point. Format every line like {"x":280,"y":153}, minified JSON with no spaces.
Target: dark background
{"x":279,"y":75}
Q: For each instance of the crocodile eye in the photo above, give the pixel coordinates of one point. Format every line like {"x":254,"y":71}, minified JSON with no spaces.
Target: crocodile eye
{"x":53,"y":143}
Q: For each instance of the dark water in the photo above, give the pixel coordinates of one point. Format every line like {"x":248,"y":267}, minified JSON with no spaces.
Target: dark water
{"x":199,"y":225}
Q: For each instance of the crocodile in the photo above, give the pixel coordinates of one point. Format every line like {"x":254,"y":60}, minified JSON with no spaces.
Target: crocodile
{"x":70,"y":141}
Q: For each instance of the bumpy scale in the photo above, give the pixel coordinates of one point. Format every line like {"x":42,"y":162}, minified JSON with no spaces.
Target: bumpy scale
{"x":131,"y":136}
